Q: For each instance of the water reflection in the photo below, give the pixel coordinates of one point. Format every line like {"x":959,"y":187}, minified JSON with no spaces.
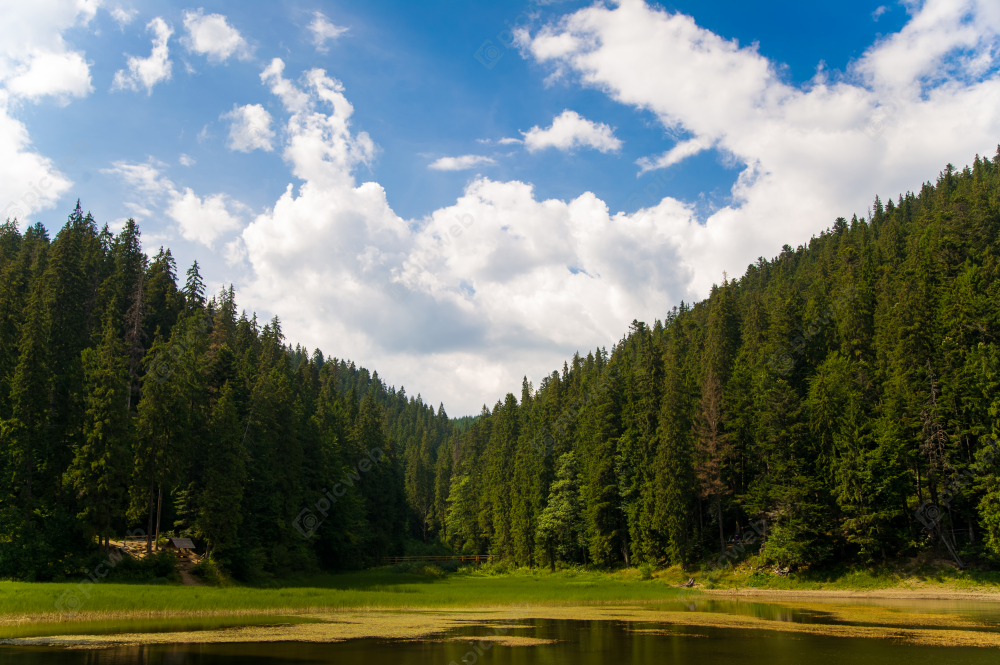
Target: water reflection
{"x":578,"y":642}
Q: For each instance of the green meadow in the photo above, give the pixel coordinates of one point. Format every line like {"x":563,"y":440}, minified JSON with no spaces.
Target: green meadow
{"x":381,"y":588}
{"x":428,"y":586}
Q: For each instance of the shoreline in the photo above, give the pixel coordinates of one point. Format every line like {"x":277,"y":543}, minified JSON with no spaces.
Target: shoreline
{"x":917,"y":628}
{"x":981,"y":594}
{"x":830,"y":596}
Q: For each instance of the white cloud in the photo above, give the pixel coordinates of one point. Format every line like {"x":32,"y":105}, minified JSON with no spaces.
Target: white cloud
{"x":146,"y":179}
{"x":147,"y":72}
{"x":35,"y":59}
{"x":29,"y":182}
{"x":677,"y":154}
{"x":203,"y":135}
{"x":204,"y":220}
{"x":321,"y":147}
{"x":499,"y":284}
{"x":827,"y":147}
{"x":235,"y":253}
{"x":122,"y":16}
{"x":925,"y":50}
{"x":250,"y":128}
{"x":503,"y":141}
{"x":878,"y":12}
{"x":64,"y":74}
{"x":460,"y":163}
{"x":201,"y":220}
{"x":492,"y":287}
{"x":213,"y":36}
{"x":570,"y":131}
{"x":293,"y":99}
{"x":323,"y":30}
{"x":186,"y":160}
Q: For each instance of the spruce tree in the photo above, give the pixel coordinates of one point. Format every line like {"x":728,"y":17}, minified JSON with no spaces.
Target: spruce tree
{"x":100,"y":468}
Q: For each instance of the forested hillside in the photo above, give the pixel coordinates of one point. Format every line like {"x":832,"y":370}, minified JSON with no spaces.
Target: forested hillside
{"x":842,"y":398}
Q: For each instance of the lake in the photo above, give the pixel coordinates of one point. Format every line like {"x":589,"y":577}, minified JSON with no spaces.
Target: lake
{"x":748,"y":632}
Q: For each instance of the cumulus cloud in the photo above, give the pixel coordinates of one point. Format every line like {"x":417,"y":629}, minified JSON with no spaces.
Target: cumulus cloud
{"x":235,"y":253}
{"x":29,"y":182}
{"x":35,"y":60}
{"x":147,"y":72}
{"x":913,"y":102}
{"x":122,"y":16}
{"x":249,"y":128}
{"x":465,"y":300}
{"x":945,"y":39}
{"x":569,"y":131}
{"x":201,"y":220}
{"x":213,"y":36}
{"x":322,"y":30}
{"x":321,"y":147}
{"x":503,"y":283}
{"x":186,"y":160}
{"x":204,"y":220}
{"x":460,"y":163}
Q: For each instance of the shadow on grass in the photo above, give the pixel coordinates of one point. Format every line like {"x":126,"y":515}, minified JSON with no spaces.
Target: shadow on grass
{"x":377,"y":579}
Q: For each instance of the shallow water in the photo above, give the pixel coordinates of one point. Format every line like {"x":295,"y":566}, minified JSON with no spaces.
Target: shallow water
{"x":579,"y":642}
{"x":162,"y":625}
{"x":820,"y":609}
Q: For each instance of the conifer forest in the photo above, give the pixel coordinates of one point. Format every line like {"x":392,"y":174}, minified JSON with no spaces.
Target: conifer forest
{"x":841,"y":400}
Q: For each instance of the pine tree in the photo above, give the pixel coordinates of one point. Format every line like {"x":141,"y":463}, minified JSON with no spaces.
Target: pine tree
{"x":194,"y":289}
{"x":560,"y":526}
{"x":220,"y":505}
{"x":420,"y":482}
{"x":100,"y":467}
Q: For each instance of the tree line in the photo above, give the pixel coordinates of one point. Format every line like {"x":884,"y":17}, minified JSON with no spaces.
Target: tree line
{"x":843,"y":395}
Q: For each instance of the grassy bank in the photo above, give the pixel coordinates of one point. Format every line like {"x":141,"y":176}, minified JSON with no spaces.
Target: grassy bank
{"x":382,"y":588}
{"x":429,"y":587}
{"x":915,"y":574}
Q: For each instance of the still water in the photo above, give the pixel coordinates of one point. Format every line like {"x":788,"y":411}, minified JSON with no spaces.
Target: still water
{"x":576,"y":641}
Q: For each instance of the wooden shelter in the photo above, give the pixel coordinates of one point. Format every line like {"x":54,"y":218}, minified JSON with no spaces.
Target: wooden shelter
{"x":179,"y":544}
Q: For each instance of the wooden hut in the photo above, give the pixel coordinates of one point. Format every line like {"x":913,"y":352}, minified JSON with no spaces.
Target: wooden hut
{"x":179,"y":544}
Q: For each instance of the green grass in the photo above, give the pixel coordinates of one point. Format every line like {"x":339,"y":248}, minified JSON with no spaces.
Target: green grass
{"x":428,"y":586}
{"x":381,"y":588}
{"x":905,"y":574}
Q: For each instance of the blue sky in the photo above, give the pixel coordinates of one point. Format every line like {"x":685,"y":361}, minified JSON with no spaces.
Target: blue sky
{"x":650,"y":149}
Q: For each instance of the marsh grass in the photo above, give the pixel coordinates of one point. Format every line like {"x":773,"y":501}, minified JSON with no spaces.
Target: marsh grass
{"x":426,"y":586}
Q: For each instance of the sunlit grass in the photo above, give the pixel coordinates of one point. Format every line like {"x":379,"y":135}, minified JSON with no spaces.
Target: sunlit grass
{"x":387,"y":588}
{"x":375,"y":589}
{"x":899,"y":575}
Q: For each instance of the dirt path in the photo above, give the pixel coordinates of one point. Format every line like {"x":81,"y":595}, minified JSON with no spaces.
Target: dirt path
{"x":184,"y":567}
